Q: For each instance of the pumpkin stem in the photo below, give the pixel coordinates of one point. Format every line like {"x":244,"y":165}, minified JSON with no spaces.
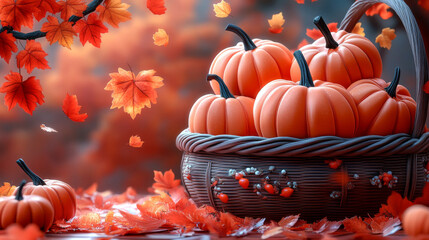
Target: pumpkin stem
{"x":224,"y":91}
{"x":247,"y":41}
{"x":19,"y":196}
{"x":320,"y":23}
{"x":306,"y":79}
{"x":391,"y":89}
{"x":36,"y":179}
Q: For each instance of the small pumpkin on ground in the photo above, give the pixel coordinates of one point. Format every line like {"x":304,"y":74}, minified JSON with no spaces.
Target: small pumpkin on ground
{"x":384,"y":108}
{"x":305,"y":109}
{"x":224,"y":114}
{"x":26,"y":210}
{"x":339,"y":57}
{"x":251,"y":64}
{"x":415,"y":221}
{"x":60,"y":194}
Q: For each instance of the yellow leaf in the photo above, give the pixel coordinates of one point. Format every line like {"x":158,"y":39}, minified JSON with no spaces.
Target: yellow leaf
{"x":385,"y":38}
{"x":160,"y":38}
{"x":58,"y":32}
{"x":222,"y":9}
{"x":276,"y":22}
{"x":114,"y":12}
{"x":358,"y":29}
{"x":7,"y":189}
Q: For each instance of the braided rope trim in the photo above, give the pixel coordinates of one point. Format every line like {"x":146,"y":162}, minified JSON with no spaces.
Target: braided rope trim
{"x":324,"y":146}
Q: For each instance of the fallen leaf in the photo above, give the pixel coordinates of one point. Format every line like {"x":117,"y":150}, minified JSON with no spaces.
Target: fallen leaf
{"x":32,"y":57}
{"x":276,"y":22}
{"x":90,"y":29}
{"x":424,"y":4}
{"x":289,"y":221}
{"x":384,"y":225}
{"x":46,"y":128}
{"x":135,"y":141}
{"x":133,"y":92}
{"x":71,"y":108}
{"x":46,"y":6}
{"x":272,"y":232}
{"x":355,"y":225}
{"x":165,"y":181}
{"x":7,"y":189}
{"x":59,"y":32}
{"x":385,"y":38}
{"x":316,"y":34}
{"x":156,"y":6}
{"x":380,"y":9}
{"x":7,"y":45}
{"x":222,"y":9}
{"x":17,"y":13}
{"x":160,"y":38}
{"x":71,"y":7}
{"x":114,"y":12}
{"x":358,"y":29}
{"x":325,"y":226}
{"x":16,"y":232}
{"x":396,"y":205}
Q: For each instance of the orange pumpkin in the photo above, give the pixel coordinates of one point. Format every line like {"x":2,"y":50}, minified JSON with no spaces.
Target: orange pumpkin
{"x":304,"y":109}
{"x":340,"y":57}
{"x":384,"y":108}
{"x":224,"y":114}
{"x":60,"y":194}
{"x":415,"y":221}
{"x":251,"y":64}
{"x":25,"y":211}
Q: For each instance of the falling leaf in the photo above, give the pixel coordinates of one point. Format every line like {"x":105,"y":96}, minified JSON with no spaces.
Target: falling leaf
{"x":90,"y":29}
{"x":7,"y":45}
{"x":355,"y":225}
{"x":47,"y":129}
{"x":380,"y":9}
{"x":156,"y":6}
{"x":133,"y":92}
{"x":114,"y":12}
{"x":32,"y":57}
{"x":385,"y":38}
{"x":46,"y":6}
{"x":135,"y":141}
{"x":71,"y":108}
{"x":165,"y":181}
{"x":26,"y":93}
{"x":7,"y":189}
{"x":358,"y":29}
{"x":71,"y":7}
{"x":17,"y":13}
{"x":15,"y":232}
{"x":316,"y":34}
{"x":276,"y":22}
{"x":222,"y":9}
{"x":160,"y":38}
{"x":424,"y":4}
{"x":59,"y":32}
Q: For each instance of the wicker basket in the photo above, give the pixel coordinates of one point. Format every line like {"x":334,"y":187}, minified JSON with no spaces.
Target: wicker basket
{"x":320,"y":191}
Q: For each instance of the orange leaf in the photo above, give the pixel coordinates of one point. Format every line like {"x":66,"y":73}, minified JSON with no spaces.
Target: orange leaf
{"x":26,"y":93}
{"x":17,"y":13}
{"x":358,"y":29}
{"x":386,"y":226}
{"x":30,"y":232}
{"x":424,"y":4}
{"x":7,"y":45}
{"x":424,"y":199}
{"x":46,"y":6}
{"x":114,"y":12}
{"x":355,"y":225}
{"x":135,"y":141}
{"x":222,"y":9}
{"x":71,"y":7}
{"x":165,"y":181}
{"x":7,"y":189}
{"x":89,"y":220}
{"x":316,"y":34}
{"x":32,"y":57}
{"x":59,"y":32}
{"x":71,"y":108}
{"x":160,"y":38}
{"x":385,"y":38}
{"x":156,"y":6}
{"x":133,"y":92}
{"x":380,"y":9}
{"x":276,"y":22}
{"x":90,"y":29}
{"x":396,"y":205}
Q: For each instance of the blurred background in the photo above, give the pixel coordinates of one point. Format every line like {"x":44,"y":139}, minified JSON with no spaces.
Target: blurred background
{"x":97,"y":150}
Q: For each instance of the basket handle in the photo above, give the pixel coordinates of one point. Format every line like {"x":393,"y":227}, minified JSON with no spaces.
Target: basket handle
{"x":417,"y":47}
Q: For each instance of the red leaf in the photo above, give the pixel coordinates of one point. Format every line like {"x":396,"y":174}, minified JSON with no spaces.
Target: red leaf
{"x":424,"y":199}
{"x":71,"y":108}
{"x":90,"y":29}
{"x":32,"y":57}
{"x":386,"y":226}
{"x":7,"y":45}
{"x":396,"y":205}
{"x":17,"y":13}
{"x":156,"y":6}
{"x":380,"y":9}
{"x":165,"y":181}
{"x":424,"y":4}
{"x":289,"y":221}
{"x":71,"y":7}
{"x":355,"y":225}
{"x":26,"y":93}
{"x":46,"y":6}
{"x":325,"y":226}
{"x":316,"y":34}
{"x":30,"y":232}
{"x":426,"y":87}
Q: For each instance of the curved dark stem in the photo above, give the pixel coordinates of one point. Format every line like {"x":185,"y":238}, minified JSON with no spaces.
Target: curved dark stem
{"x":224,"y":91}
{"x":36,"y":179}
{"x":39,"y":34}
{"x":247,"y":41}
{"x":391,"y":89}
{"x":306,"y":79}
{"x":320,"y":23}
{"x":19,"y":196}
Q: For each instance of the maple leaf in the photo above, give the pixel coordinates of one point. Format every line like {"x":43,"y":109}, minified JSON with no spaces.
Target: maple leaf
{"x":222,"y":9}
{"x":289,"y":221}
{"x":385,"y":38}
{"x":426,"y":87}
{"x":424,"y":4}
{"x":71,"y":108}
{"x":396,"y":205}
{"x":156,"y":6}
{"x":424,"y":199}
{"x":160,"y":38}
{"x":325,"y":226}
{"x":114,"y":12}
{"x":7,"y":45}
{"x":355,"y":225}
{"x":358,"y":29}
{"x":17,"y":13}
{"x":26,"y":93}
{"x":71,"y":7}
{"x":46,"y":128}
{"x":90,"y":29}
{"x":380,"y":9}
{"x":7,"y":189}
{"x":59,"y":32}
{"x":32,"y":57}
{"x":30,"y":232}
{"x":276,"y":22}
{"x":46,"y":6}
{"x":316,"y":34}
{"x":165,"y":181}
{"x":133,"y":92}
{"x":135,"y":141}
{"x":384,"y":225}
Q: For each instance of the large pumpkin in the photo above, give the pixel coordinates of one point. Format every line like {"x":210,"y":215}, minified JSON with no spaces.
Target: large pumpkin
{"x":384,"y":108}
{"x":26,"y":210}
{"x":60,"y":194}
{"x":340,"y":57}
{"x":224,"y":114}
{"x":251,"y":64}
{"x":305,"y":109}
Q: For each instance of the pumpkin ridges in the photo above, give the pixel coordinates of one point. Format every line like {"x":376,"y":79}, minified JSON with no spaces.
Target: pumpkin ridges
{"x":339,"y":73}
{"x":372,"y":54}
{"x":218,"y":66}
{"x":402,"y":119}
{"x":376,"y":106}
{"x":229,"y":73}
{"x":364,"y":62}
{"x":216,"y":117}
{"x":66,"y":200}
{"x":200,"y":117}
{"x":350,"y":63}
{"x":21,"y":209}
{"x":271,"y":103}
{"x":385,"y":120}
{"x":273,"y":52}
{"x":266,"y":67}
{"x":316,"y":105}
{"x":38,"y":217}
{"x":9,"y":213}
